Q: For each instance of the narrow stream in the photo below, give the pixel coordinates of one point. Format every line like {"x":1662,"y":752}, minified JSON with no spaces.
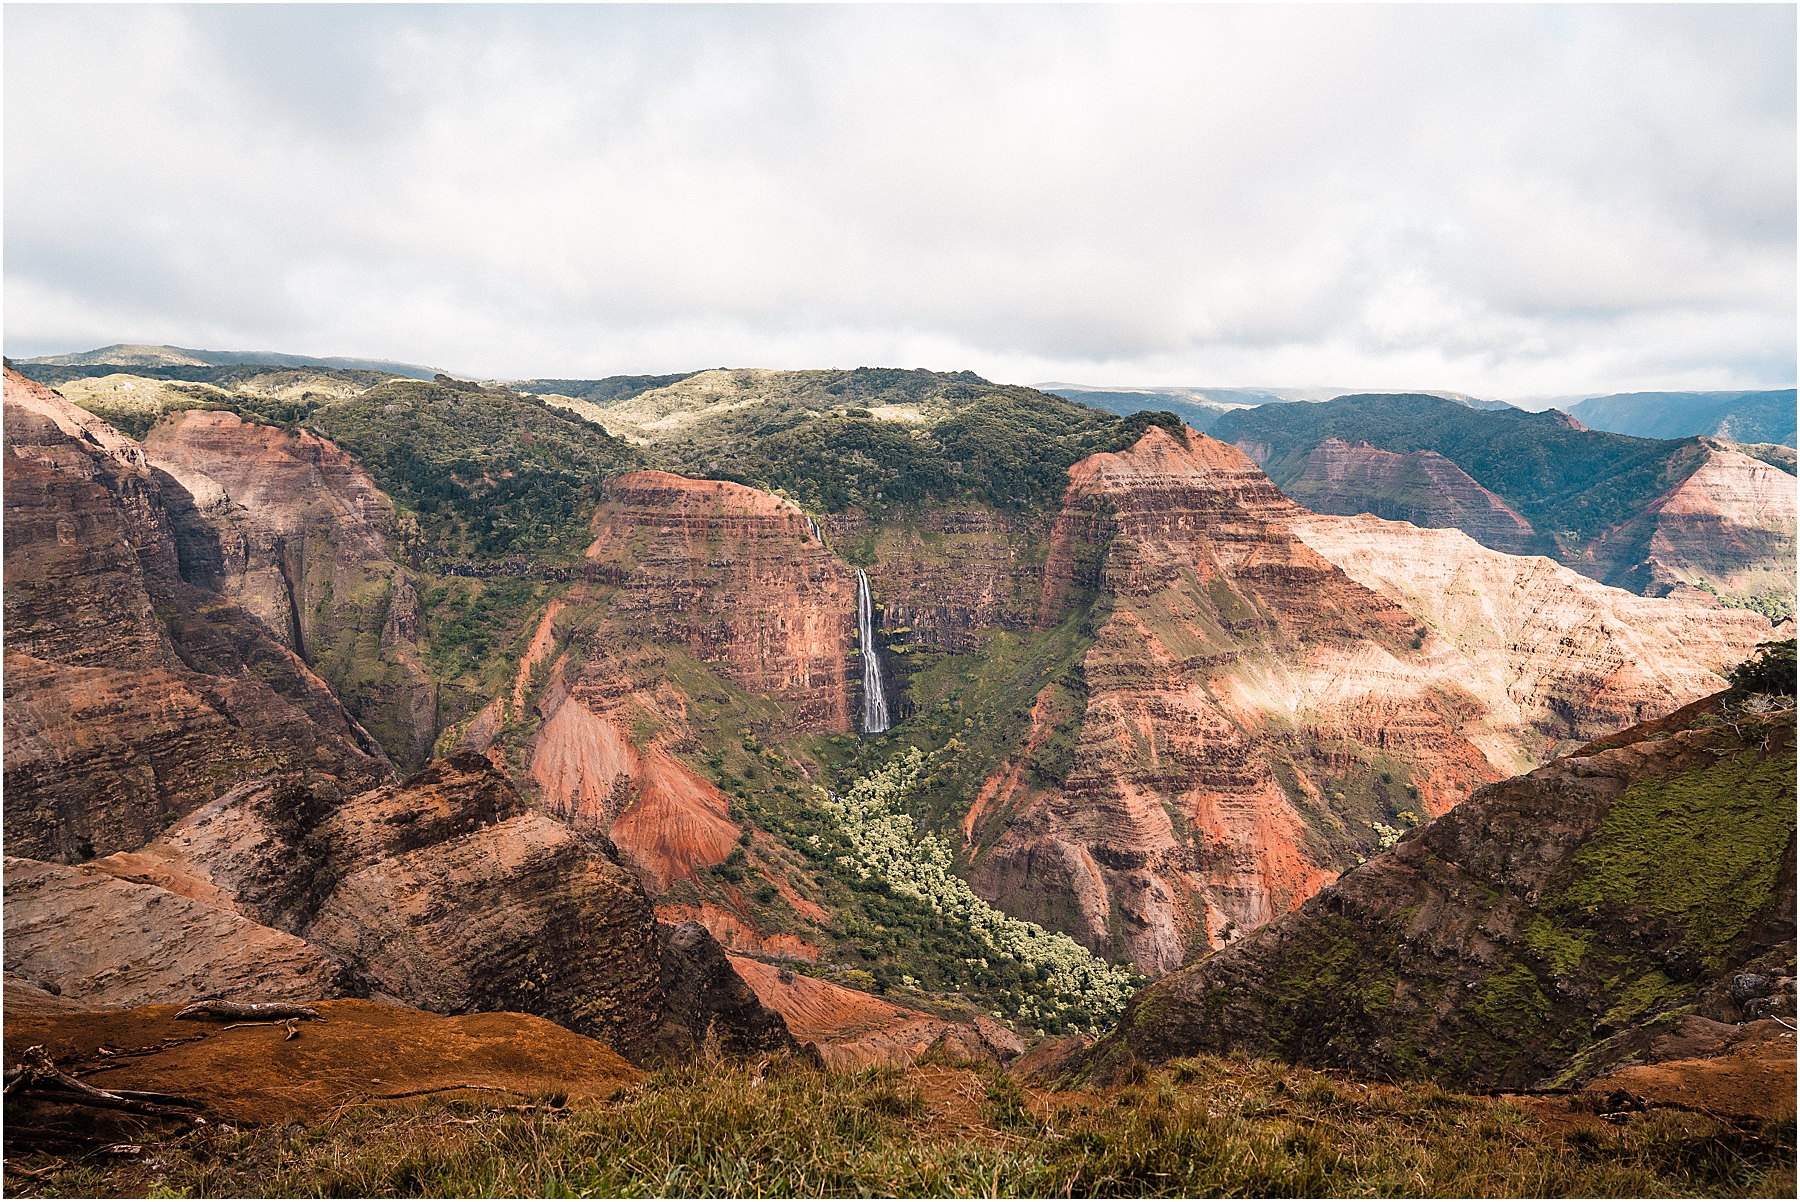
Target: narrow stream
{"x":875,"y":706}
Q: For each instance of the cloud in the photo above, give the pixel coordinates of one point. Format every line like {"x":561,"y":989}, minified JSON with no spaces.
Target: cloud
{"x":1492,"y":199}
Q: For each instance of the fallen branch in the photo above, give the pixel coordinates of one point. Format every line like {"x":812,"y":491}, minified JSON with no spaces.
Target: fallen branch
{"x":271,"y":1011}
{"x":36,"y":1074}
{"x":415,"y":1093}
{"x":293,"y":1031}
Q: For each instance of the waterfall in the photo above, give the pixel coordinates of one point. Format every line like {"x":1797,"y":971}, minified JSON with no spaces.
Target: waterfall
{"x":814,"y":527}
{"x":875,"y":707}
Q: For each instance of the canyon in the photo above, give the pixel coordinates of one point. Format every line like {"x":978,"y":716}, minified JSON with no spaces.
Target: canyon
{"x":1589,"y":914}
{"x":1165,"y":706}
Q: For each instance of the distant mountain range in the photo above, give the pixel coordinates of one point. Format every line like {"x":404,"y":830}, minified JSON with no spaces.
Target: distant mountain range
{"x":1767,"y":416}
{"x":1644,"y":514}
{"x":126,"y":354}
{"x":1199,"y":407}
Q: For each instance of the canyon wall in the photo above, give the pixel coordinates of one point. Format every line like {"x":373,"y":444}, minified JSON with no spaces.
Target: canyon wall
{"x":1423,"y":488}
{"x":301,"y":536}
{"x":132,"y":694}
{"x":1263,"y":698}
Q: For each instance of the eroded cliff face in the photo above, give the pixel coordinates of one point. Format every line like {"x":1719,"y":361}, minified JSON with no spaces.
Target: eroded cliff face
{"x":132,"y":694}
{"x":1260,"y":696}
{"x":697,"y":588}
{"x":1423,"y":488}
{"x":449,"y":894}
{"x":945,"y":576}
{"x":1730,"y":526}
{"x":1526,"y":937}
{"x":299,"y":537}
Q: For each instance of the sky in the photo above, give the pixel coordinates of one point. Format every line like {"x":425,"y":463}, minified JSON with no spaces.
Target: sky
{"x":1508,"y":201}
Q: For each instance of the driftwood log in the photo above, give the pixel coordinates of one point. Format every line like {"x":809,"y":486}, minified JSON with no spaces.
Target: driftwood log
{"x":35,"y":1075}
{"x":247,"y":1011}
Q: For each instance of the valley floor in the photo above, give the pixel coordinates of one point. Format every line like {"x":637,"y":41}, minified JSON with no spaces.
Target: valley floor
{"x":1198,"y":1127}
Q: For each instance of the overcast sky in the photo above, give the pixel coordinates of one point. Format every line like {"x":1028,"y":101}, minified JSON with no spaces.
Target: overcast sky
{"x":1503,"y":201}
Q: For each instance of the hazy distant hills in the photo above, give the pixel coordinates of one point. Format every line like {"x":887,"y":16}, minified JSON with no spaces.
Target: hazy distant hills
{"x":1645,"y":514}
{"x":1201,"y":407}
{"x":125,"y":354}
{"x":1739,"y":416}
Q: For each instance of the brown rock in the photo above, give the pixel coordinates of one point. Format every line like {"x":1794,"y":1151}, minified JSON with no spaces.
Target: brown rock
{"x":1423,"y":488}
{"x":111,"y":943}
{"x":363,"y":1051}
{"x":132,"y":694}
{"x":447,"y":893}
{"x":297,"y":534}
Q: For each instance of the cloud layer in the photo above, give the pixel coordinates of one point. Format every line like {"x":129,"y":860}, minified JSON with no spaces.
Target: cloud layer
{"x":1499,"y":200}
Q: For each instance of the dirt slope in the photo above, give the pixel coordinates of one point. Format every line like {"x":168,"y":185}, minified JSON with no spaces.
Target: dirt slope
{"x":361,"y":1051}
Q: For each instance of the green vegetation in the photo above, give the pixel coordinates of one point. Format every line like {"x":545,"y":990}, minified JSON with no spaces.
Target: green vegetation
{"x":1006,"y":447}
{"x":1697,"y":853}
{"x":1203,"y":1127}
{"x":1770,"y":670}
{"x":487,"y":472}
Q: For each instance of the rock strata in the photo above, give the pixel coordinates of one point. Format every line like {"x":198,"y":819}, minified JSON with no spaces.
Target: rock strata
{"x":133,"y":694}
{"x":1524,"y":937}
{"x":301,"y":536}
{"x":449,"y":894}
{"x":1423,"y":488}
{"x":1270,"y":689}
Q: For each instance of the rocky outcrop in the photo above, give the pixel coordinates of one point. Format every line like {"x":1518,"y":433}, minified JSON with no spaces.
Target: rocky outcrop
{"x":1423,"y":488}
{"x":1510,"y":941}
{"x":854,"y":1030}
{"x":298,"y":535}
{"x":1729,"y":526}
{"x":732,"y":576}
{"x":706,"y":1000}
{"x":1272,"y":691}
{"x":449,"y":894}
{"x":104,"y":943}
{"x":133,"y":694}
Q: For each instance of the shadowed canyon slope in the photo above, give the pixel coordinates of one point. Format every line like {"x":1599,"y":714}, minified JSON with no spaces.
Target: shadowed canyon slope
{"x":1423,"y":488}
{"x":1530,"y":935}
{"x":302,"y":537}
{"x":133,"y":692}
{"x":1248,"y":698}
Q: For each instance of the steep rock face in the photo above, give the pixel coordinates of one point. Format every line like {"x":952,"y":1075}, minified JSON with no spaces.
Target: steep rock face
{"x":1254,"y":709}
{"x":444,"y":893}
{"x":1552,"y":657}
{"x":946,"y":575}
{"x":1730,"y":525}
{"x":1517,"y":937}
{"x":689,"y":578}
{"x":301,"y":534}
{"x":133,"y":695}
{"x":106,"y":942}
{"x":732,"y":575}
{"x":1423,"y":488}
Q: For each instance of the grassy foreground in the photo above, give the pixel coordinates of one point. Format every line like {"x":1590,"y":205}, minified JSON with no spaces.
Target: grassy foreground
{"x":1198,"y":1127}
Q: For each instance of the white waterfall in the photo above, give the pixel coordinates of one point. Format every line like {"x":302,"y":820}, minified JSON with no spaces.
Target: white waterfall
{"x":875,"y":707}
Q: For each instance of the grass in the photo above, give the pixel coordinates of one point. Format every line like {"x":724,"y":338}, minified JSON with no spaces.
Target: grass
{"x":1203,"y":1126}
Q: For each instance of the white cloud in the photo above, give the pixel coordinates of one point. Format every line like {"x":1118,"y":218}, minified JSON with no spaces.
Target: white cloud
{"x":1498,"y":200}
